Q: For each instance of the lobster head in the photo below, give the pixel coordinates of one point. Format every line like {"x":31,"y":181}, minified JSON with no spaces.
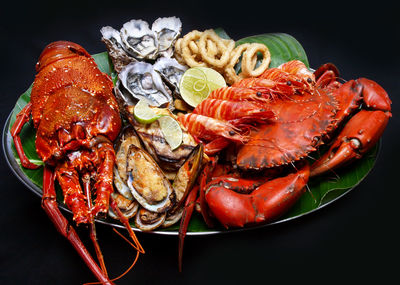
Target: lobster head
{"x":59,"y":50}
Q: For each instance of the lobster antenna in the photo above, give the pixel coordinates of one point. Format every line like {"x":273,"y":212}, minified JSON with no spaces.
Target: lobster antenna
{"x":93,"y":234}
{"x":129,"y":268}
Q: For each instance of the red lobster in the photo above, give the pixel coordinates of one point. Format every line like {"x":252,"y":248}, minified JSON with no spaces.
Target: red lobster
{"x":77,"y":119}
{"x":294,"y":112}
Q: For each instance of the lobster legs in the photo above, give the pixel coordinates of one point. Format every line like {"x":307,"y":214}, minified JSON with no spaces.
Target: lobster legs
{"x":21,"y":119}
{"x":50,"y":206}
{"x":363,"y":130}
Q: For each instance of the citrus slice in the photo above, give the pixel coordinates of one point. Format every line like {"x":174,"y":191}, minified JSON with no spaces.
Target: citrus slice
{"x":143,"y":113}
{"x":197,"y":82}
{"x":171,"y":130}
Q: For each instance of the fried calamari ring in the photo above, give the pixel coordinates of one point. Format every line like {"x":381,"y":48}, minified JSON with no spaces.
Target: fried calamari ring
{"x":249,"y":61}
{"x":216,"y":54}
{"x":190,"y":50}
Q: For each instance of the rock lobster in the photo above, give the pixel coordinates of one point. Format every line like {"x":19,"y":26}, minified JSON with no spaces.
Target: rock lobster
{"x":286,"y":113}
{"x":77,"y":119}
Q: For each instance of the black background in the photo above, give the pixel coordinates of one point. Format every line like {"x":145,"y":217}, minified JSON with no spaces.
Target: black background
{"x":354,"y":239}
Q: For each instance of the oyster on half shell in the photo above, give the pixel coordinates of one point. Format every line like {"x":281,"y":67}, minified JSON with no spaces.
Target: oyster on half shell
{"x":140,"y":81}
{"x":171,"y":71}
{"x":167,"y":31}
{"x":139,"y":40}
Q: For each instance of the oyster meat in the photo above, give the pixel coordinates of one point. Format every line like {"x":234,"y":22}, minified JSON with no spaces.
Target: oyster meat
{"x":171,"y":71}
{"x":139,"y":80}
{"x":139,"y":40}
{"x":167,"y":30}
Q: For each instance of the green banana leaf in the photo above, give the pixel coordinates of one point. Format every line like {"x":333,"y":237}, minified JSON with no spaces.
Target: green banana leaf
{"x":322,"y":190}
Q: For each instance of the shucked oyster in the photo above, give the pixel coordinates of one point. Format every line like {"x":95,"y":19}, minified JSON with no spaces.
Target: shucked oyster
{"x":167,"y":30}
{"x":139,"y":40}
{"x":141,"y":81}
{"x":171,"y":71}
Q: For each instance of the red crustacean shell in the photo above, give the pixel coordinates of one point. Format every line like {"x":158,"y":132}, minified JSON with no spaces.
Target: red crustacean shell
{"x":301,"y":121}
{"x":70,"y":90}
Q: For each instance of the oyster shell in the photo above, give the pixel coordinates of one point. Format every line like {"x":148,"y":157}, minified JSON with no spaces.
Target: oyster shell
{"x":139,"y":40}
{"x":167,"y":30}
{"x":112,"y":39}
{"x":136,"y":40}
{"x":141,"y":81}
{"x":171,"y":71}
{"x":156,"y":145}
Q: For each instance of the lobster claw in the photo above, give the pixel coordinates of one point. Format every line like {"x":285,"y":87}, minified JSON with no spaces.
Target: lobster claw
{"x":358,"y":136}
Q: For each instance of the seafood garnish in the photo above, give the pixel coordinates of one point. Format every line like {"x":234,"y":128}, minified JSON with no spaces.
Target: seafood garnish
{"x":141,"y":81}
{"x":171,"y":71}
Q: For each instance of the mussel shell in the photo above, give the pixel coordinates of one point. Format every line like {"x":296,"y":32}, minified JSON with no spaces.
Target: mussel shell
{"x":148,"y":221}
{"x":128,"y":207}
{"x":147,"y":182}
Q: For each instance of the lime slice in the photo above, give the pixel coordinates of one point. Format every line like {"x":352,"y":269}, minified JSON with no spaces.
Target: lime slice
{"x":171,"y":130}
{"x":197,"y":82}
{"x":143,"y":113}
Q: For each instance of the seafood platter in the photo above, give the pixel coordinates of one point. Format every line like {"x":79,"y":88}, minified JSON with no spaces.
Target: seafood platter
{"x":194,"y":133}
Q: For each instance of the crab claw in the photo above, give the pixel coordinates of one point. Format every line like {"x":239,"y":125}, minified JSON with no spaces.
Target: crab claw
{"x":358,"y":136}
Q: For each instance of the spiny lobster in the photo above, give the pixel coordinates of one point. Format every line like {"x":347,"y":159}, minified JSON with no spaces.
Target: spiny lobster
{"x":76,"y":118}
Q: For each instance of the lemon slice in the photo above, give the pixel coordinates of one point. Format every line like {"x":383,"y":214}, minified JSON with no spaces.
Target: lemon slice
{"x":171,"y":130}
{"x":143,"y":113}
{"x":197,"y":82}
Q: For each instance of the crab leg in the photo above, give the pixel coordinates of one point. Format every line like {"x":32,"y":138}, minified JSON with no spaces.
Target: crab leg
{"x":49,"y":204}
{"x":265,"y":203}
{"x":187,"y":214}
{"x":21,"y":119}
{"x":363,"y":130}
{"x":359,"y":135}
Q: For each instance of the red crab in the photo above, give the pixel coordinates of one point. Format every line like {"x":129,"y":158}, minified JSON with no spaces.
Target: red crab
{"x":291,"y":112}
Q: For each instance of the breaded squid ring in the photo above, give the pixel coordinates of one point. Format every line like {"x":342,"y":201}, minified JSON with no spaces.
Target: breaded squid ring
{"x":223,"y":49}
{"x":249,"y":60}
{"x":189,"y":49}
{"x":230,"y":73}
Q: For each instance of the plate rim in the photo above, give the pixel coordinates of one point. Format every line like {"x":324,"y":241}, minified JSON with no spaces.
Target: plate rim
{"x":16,"y":169}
